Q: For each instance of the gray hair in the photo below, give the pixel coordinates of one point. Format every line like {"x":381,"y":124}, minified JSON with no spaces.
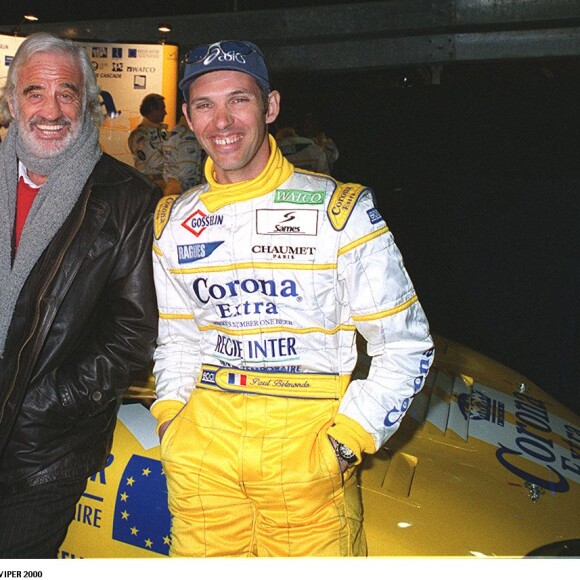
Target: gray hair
{"x":46,"y":42}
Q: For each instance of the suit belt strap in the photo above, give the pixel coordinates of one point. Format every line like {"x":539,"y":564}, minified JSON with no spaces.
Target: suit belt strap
{"x":297,"y":385}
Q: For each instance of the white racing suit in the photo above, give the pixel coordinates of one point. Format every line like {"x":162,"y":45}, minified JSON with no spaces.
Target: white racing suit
{"x":261,"y":286}
{"x":146,"y":143}
{"x":183,"y":159}
{"x":304,"y":153}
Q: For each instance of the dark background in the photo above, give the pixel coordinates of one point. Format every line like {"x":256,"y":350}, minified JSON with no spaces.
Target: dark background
{"x":11,"y":12}
{"x":479,"y":179}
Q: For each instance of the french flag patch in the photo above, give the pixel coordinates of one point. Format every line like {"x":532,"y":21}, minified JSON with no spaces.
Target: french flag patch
{"x":238,"y":380}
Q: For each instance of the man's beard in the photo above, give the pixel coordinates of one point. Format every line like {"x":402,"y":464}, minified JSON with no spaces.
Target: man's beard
{"x":47,"y":149}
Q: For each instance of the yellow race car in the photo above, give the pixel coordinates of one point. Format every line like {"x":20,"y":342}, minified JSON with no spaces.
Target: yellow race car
{"x":484,"y":464}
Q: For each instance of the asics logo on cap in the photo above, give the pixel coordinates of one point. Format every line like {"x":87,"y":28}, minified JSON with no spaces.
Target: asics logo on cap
{"x":216,"y":52}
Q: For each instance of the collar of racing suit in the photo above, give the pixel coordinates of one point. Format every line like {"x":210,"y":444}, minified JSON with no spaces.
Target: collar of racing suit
{"x":277,"y":171}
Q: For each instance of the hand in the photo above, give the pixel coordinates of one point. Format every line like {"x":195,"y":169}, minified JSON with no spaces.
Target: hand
{"x":163,"y":428}
{"x":343,"y":463}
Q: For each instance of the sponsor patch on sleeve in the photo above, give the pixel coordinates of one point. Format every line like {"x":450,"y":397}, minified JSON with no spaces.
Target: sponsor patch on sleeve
{"x":374,"y":215}
{"x":342,"y":203}
{"x":162,"y":213}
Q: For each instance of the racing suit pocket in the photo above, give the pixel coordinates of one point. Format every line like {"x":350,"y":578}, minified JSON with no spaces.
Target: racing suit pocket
{"x":327,"y":455}
{"x":169,"y":434}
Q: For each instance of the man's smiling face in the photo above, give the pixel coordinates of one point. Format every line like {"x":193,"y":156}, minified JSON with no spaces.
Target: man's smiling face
{"x":227,"y":112}
{"x":47,"y":104}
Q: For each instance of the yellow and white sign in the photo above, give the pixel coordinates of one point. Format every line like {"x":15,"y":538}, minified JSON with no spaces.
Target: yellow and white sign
{"x":126,"y":73}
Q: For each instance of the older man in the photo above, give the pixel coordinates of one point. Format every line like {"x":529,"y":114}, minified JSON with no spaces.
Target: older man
{"x":77,"y":305}
{"x":263,"y":276}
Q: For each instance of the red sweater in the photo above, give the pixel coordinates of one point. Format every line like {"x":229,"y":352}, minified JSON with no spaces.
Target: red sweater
{"x":24,"y":198}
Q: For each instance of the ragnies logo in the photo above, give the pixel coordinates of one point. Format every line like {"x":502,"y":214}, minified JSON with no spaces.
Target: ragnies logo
{"x":192,"y":252}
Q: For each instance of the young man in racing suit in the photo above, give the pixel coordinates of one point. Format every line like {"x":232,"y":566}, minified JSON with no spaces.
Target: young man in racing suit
{"x":264,"y":274}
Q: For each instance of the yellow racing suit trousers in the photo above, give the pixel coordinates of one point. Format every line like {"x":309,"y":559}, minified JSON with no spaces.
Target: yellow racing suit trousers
{"x":254,"y":475}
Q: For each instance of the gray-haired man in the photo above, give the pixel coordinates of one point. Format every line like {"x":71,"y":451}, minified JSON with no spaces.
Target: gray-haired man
{"x":77,"y":307}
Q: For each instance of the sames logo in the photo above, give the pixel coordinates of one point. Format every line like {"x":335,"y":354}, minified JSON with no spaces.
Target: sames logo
{"x":281,"y":221}
{"x":198,"y":222}
{"x":142,"y":517}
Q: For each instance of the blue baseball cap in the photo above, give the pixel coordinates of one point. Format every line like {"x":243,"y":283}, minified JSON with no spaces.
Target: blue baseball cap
{"x":238,"y":55}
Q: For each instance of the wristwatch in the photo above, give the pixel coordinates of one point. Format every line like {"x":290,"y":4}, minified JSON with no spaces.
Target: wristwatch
{"x":346,"y":454}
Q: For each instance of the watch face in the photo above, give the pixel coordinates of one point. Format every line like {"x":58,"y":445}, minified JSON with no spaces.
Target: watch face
{"x":346,"y":453}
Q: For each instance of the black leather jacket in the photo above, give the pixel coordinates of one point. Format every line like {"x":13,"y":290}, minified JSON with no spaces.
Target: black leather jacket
{"x":84,"y":327}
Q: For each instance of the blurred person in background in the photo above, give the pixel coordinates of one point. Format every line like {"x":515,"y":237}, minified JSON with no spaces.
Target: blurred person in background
{"x":183,"y":160}
{"x":147,"y":140}
{"x":311,"y":127}
{"x":302,"y":152}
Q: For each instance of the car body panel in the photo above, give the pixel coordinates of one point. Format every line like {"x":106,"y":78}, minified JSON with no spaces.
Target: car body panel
{"x":485,"y":464}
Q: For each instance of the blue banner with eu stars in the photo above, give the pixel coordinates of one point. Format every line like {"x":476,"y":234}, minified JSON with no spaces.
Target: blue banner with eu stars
{"x":142,"y":517}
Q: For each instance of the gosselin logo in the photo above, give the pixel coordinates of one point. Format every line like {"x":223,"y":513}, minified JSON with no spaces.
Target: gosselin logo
{"x":198,"y":222}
